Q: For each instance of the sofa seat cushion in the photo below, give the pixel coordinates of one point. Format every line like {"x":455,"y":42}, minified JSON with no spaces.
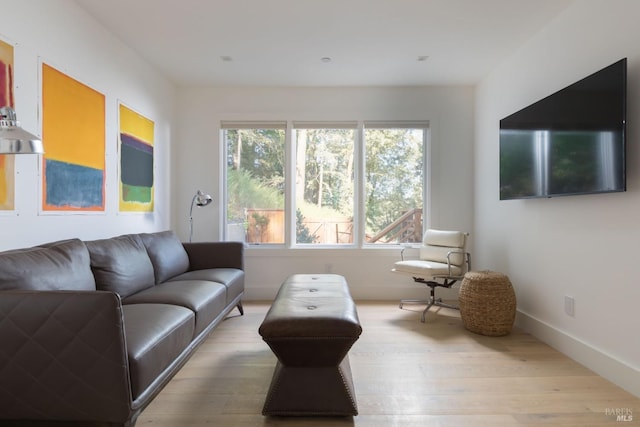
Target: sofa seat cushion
{"x":231,"y":278}
{"x":60,"y":265}
{"x":168,"y":256}
{"x":156,"y":334}
{"x":206,"y":299}
{"x":121,"y":264}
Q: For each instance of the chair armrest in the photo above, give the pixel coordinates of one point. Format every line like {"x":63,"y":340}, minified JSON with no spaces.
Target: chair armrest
{"x":63,"y":356}
{"x":465,"y":260}
{"x":408,"y":246}
{"x":204,"y":255}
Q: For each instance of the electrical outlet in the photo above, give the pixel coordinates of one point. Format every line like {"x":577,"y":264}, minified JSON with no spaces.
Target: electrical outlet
{"x":569,"y":305}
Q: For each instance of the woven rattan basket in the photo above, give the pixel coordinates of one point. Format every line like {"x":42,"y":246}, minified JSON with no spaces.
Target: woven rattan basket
{"x":487,"y":303}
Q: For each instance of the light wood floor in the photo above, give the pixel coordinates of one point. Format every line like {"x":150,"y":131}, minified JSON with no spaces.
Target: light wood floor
{"x":406,"y":374}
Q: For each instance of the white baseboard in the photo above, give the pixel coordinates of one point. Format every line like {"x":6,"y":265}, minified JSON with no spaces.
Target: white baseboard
{"x":619,"y":373}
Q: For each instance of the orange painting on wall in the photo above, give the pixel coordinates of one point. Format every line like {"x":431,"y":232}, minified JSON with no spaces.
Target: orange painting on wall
{"x":7,"y":164}
{"x":73,"y":124}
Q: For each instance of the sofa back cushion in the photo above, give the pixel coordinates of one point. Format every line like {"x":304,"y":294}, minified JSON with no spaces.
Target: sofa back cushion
{"x":168,"y":256}
{"x":62,"y":265}
{"x":121,"y":264}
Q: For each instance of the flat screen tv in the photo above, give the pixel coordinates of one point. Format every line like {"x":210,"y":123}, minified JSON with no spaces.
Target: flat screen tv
{"x":571,"y":142}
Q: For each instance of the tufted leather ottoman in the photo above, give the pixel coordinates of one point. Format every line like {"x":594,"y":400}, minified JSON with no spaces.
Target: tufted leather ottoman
{"x":310,"y":327}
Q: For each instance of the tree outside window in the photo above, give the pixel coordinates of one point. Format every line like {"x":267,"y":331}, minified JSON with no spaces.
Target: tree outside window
{"x":325,"y":183}
{"x":394,"y":183}
{"x":255,"y":185}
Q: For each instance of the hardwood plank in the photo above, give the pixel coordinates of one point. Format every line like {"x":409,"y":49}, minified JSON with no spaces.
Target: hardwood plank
{"x":406,"y":373}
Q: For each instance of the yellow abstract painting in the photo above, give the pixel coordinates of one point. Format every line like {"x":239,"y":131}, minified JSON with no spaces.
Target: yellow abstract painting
{"x":136,"y":161}
{"x":73,"y":124}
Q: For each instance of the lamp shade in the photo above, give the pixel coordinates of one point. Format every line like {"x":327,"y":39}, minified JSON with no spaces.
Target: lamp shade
{"x":14,"y":139}
{"x":202,"y":199}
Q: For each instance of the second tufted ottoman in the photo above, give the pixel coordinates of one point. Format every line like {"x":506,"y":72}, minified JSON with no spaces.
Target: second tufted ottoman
{"x":310,"y":327}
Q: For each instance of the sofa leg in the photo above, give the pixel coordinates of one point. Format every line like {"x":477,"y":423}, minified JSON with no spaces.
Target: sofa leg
{"x":240,"y":308}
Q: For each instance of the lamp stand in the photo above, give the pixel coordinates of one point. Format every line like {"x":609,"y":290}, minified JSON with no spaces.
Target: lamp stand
{"x":200,"y":200}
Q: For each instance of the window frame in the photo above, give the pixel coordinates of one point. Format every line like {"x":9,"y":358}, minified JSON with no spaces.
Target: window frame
{"x":352,"y":125}
{"x":359,"y":213}
{"x":425,"y":125}
{"x":252,"y":124}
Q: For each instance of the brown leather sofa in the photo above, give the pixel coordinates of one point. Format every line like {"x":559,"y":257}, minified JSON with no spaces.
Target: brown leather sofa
{"x":90,"y":332}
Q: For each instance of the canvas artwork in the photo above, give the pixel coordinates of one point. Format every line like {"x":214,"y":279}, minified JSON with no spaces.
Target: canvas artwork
{"x":73,"y":124}
{"x":7,"y":163}
{"x":136,"y":161}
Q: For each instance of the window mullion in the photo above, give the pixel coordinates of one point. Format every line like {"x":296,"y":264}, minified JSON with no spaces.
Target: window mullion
{"x":222,"y":187}
{"x":290,"y":186}
{"x":359,"y":188}
{"x":426,"y":179}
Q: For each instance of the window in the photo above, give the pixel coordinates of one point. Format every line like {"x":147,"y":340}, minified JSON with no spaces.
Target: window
{"x":255,"y":182}
{"x":339,"y":183}
{"x":394,"y":183}
{"x":324,"y":183}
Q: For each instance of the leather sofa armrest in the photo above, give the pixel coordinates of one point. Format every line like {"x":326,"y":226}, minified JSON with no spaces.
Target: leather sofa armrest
{"x":204,"y":255}
{"x":63,"y":356}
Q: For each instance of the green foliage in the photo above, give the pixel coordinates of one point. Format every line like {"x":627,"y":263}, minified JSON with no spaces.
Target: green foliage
{"x":246,"y":192}
{"x":325,"y":167}
{"x":328,"y":166}
{"x":303,"y":235}
{"x":255,"y":173}
{"x":259,"y":152}
{"x":393,"y":174}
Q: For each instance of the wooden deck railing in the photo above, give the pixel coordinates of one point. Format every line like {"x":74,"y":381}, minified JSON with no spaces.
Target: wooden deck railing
{"x":267,"y":226}
{"x":406,"y":229}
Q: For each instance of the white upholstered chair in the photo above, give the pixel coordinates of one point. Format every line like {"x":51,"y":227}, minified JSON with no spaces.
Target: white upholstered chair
{"x":443,"y":261}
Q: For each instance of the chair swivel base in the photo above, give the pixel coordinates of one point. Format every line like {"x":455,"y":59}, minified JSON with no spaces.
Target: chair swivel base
{"x":430,"y":303}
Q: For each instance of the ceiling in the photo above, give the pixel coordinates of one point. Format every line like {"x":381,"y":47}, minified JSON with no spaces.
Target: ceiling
{"x":283,"y":42}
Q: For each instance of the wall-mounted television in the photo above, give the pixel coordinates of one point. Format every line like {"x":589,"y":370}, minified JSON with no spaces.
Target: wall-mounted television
{"x":571,"y":142}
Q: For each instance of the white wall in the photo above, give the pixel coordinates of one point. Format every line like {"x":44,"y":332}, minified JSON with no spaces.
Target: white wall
{"x":584,"y":246}
{"x":449,"y":110}
{"x":581,"y":246}
{"x":61,"y":34}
